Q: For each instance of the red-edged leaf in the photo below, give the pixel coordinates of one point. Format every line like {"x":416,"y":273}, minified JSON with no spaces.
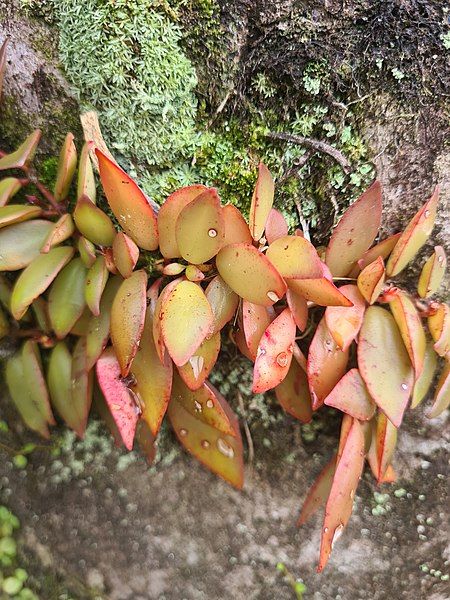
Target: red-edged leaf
{"x":295,"y":258}
{"x":274,"y":354}
{"x":9,"y":186}
{"x":293,"y":393}
{"x":86,"y":179}
{"x":344,"y":323}
{"x":168,"y":216}
{"x":411,"y":330}
{"x":385,"y":442}
{"x":200,"y":228}
{"x":355,"y":232}
{"x":425,"y":379}
{"x":414,"y":237}
{"x":34,"y":376}
{"x":321,"y":291}
{"x":236,"y":228}
{"x":66,"y":168}
{"x":152,"y":378}
{"x":127,"y":318}
{"x":442,"y":394}
{"x":82,"y":386}
{"x":326,"y":364}
{"x":128,"y":203}
{"x":146,"y":441}
{"x":340,"y":501}
{"x":61,"y":231}
{"x":223,"y":302}
{"x":346,"y":425}
{"x":318,"y":492}
{"x":439,"y":327}
{"x":93,"y":223}
{"x":96,"y":280}
{"x":350,"y":395}
{"x":276,"y":226}
{"x":255,"y":320}
{"x":17,"y":213}
{"x":201,"y":363}
{"x":384,"y":363}
{"x":262,"y":202}
{"x":432,"y":273}
{"x":380,"y":250}
{"x":120,"y":401}
{"x":158,"y":312}
{"x":371,"y":280}
{"x":24,"y":153}
{"x":250,"y":274}
{"x":125,"y":254}
{"x":221,"y":453}
{"x":186,"y":320}
{"x":299,"y":308}
{"x":194,"y":274}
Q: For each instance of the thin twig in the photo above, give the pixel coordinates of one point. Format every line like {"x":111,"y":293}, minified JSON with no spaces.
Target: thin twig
{"x":316,"y":145}
{"x":251,"y":448}
{"x":299,"y":164}
{"x":303,"y":222}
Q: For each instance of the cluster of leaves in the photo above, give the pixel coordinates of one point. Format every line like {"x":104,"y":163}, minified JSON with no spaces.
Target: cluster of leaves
{"x":76,"y":292}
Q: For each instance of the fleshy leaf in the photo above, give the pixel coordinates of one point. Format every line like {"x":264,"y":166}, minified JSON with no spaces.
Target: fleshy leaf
{"x":194,"y":274}
{"x":96,"y":280}
{"x":371,"y":280}
{"x":255,"y":320}
{"x":386,"y":440}
{"x":432,"y":273}
{"x":17,"y":213}
{"x":439,"y":327}
{"x":201,"y":363}
{"x":425,"y":379}
{"x":442,"y":394}
{"x":262,"y":202}
{"x":221,"y":453}
{"x":414,"y":237}
{"x":384,"y":363}
{"x":98,"y":329}
{"x":276,"y":226}
{"x":223,"y":302}
{"x":350,"y":395}
{"x":66,"y":300}
{"x":411,"y":330}
{"x":82,"y":386}
{"x":321,"y":291}
{"x":318,"y":493}
{"x":19,"y":391}
{"x":326,"y":364}
{"x":125,"y":254}
{"x":20,"y":244}
{"x":118,"y":397}
{"x":168,"y":215}
{"x":86,"y":180}
{"x":81,"y":327}
{"x":93,"y":223}
{"x":299,"y":308}
{"x":9,"y":186}
{"x":346,"y":425}
{"x":128,"y":203}
{"x":157,"y":330}
{"x":236,"y":228}
{"x":33,"y":374}
{"x":200,"y":228}
{"x":355,"y":232}
{"x":340,"y":501}
{"x":61,"y":231}
{"x":250,"y":274}
{"x":186,"y":320}
{"x":24,"y":153}
{"x":295,"y":258}
{"x":66,"y":168}
{"x":36,"y":278}
{"x":127,"y":318}
{"x":293,"y":393}
{"x":380,"y":250}
{"x":87,"y":252}
{"x":274,"y":354}
{"x":146,"y":441}
{"x":344,"y":323}
{"x":152,"y":378}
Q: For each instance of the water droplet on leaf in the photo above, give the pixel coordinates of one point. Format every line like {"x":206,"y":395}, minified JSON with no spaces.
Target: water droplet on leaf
{"x":183,"y":432}
{"x":212,"y":233}
{"x":272,"y":296}
{"x":225,"y":448}
{"x":282,"y":359}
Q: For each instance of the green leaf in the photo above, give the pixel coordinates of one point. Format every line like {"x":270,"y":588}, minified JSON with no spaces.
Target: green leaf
{"x":82,"y":385}
{"x":24,"y":153}
{"x":8,"y":188}
{"x":262,"y":202}
{"x":223,"y":302}
{"x":66,"y":300}
{"x":93,"y":223}
{"x":432,"y":273}
{"x":16,"y":213}
{"x":442,"y":394}
{"x":96,"y":280}
{"x":20,"y":244}
{"x":425,"y":379}
{"x":61,"y":231}
{"x":125,"y":254}
{"x":66,"y":168}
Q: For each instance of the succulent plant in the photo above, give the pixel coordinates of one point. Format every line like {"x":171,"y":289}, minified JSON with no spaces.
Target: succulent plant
{"x":93,"y":320}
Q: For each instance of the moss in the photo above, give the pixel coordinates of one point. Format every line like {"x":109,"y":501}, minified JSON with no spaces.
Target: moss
{"x":48,"y":170}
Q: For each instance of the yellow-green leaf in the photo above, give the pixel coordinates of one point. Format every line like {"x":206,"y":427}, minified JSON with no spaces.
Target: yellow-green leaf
{"x":236,"y":228}
{"x":34,"y":376}
{"x":36,"y":278}
{"x":425,"y":379}
{"x":344,"y":323}
{"x":414,"y":237}
{"x":442,"y":394}
{"x":20,"y":244}
{"x":262,"y":202}
{"x":439,"y":327}
{"x":96,"y":280}
{"x":125,"y":254}
{"x":82,"y":386}
{"x":201,"y":363}
{"x":200,"y":228}
{"x":93,"y":223}
{"x":16,"y":213}
{"x":87,"y":252}
{"x":250,"y":274}
{"x":321,"y":291}
{"x":410,"y":326}
{"x":380,"y":250}
{"x":371,"y":280}
{"x":86,"y":181}
{"x":24,"y":153}
{"x":66,"y":168}
{"x":66,"y":300}
{"x":295,"y":258}
{"x":384,"y":363}
{"x":223,"y":302}
{"x":8,"y":188}
{"x":61,"y":231}
{"x":386,"y":440}
{"x":128,"y":203}
{"x":433,"y":272}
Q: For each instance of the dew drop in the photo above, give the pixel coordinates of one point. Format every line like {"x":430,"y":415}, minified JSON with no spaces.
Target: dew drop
{"x":196,"y":363}
{"x":352,"y":494}
{"x":209,"y":403}
{"x":205,"y":444}
{"x":282,"y":359}
{"x":272,"y":296}
{"x":225,"y":448}
{"x":212,"y":233}
{"x":404,"y":386}
{"x":198,"y":406}
{"x":427,"y":214}
{"x":441,"y":260}
{"x":337,"y":534}
{"x":325,"y":529}
{"x":183,"y":432}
